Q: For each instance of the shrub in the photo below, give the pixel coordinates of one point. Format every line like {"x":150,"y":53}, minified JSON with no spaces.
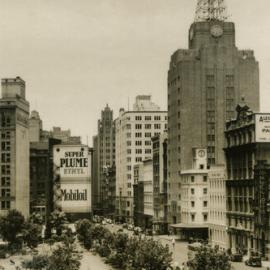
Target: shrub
{"x":38,"y":262}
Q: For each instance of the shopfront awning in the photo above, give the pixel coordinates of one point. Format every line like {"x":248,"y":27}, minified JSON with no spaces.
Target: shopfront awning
{"x":189,"y":226}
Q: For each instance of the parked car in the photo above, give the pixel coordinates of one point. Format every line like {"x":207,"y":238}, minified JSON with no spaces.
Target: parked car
{"x":254,"y":261}
{"x":237,"y":257}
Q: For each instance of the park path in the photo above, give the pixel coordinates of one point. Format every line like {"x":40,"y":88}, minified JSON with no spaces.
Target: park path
{"x":93,"y":262}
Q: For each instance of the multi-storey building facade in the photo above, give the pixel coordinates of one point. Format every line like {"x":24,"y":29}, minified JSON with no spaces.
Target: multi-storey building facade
{"x":194,"y":198}
{"x":148,"y":200}
{"x":205,"y":82}
{"x":104,"y":152}
{"x":160,"y":143}
{"x":14,"y":130}
{"x":217,"y":207}
{"x":134,"y":130}
{"x":247,"y":185}
{"x":39,"y":176}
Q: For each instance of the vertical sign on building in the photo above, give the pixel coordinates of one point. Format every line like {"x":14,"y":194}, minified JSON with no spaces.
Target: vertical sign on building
{"x":74,"y":166}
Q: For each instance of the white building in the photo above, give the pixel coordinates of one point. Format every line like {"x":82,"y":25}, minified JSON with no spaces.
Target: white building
{"x":134,"y":130}
{"x":217,"y":207}
{"x":194,"y":198}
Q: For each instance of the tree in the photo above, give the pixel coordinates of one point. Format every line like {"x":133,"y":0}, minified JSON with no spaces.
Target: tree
{"x":11,"y":226}
{"x":149,"y":254}
{"x":31,"y":234}
{"x":65,"y":256}
{"x":36,"y":218}
{"x":38,"y":262}
{"x":58,"y":221}
{"x":207,"y":258}
{"x":84,"y":231}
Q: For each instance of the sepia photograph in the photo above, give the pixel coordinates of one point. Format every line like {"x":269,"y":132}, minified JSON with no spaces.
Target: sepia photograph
{"x":134,"y":135}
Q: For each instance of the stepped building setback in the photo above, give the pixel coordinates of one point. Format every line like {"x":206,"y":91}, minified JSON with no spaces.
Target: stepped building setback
{"x":205,"y":82}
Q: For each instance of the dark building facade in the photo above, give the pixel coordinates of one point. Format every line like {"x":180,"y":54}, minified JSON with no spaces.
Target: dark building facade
{"x":104,"y":155}
{"x":247,"y":187}
{"x":160,"y":144}
{"x":41,"y":177}
{"x":205,"y":82}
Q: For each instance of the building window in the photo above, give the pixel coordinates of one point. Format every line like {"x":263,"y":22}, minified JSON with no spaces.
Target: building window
{"x":205,"y":204}
{"x":205,"y":178}
{"x":192,"y":191}
{"x":205,"y":191}
{"x":138,"y":126}
{"x":147,"y":135}
{"x":205,"y":217}
{"x":192,"y":204}
{"x":192,"y":217}
{"x":147,"y":126}
{"x":138,"y":159}
{"x":147,"y":143}
{"x":138,"y":134}
{"x":138,"y":118}
{"x":156,"y":117}
{"x":147,"y":118}
{"x":138,"y":151}
{"x":147,"y":151}
{"x":5,"y":205}
{"x":138,"y":143}
{"x":157,"y":126}
{"x":128,"y":143}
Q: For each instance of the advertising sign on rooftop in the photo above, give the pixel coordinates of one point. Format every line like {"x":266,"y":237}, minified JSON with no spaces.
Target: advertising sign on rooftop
{"x":262,"y":127}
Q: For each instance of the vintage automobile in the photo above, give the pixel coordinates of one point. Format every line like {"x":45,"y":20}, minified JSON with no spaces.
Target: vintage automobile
{"x":236,"y":257}
{"x":254,"y":261}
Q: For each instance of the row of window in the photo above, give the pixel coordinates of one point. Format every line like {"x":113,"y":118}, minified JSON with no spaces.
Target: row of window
{"x":205,"y":203}
{"x":139,"y":143}
{"x":146,"y":135}
{"x":146,"y":126}
{"x":149,"y":117}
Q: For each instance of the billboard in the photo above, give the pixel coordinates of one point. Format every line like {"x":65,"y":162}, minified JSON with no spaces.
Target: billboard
{"x":72,"y":163}
{"x":75,"y":197}
{"x":262,"y":127}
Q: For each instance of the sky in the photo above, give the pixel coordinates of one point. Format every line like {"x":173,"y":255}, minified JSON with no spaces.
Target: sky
{"x":78,"y":56}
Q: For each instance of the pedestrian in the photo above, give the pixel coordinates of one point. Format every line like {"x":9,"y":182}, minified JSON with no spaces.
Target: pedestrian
{"x":173,"y":242}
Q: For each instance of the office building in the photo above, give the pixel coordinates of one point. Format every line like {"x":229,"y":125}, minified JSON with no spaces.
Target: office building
{"x":104,"y":154}
{"x":205,"y":82}
{"x":194,"y":199}
{"x":134,"y":130}
{"x":14,"y":129}
{"x":247,"y":185}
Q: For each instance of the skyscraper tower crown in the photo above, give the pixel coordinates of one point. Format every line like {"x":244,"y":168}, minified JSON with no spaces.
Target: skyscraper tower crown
{"x":209,"y":10}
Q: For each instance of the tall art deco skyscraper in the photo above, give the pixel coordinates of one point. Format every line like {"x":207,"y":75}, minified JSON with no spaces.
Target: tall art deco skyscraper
{"x":205,"y":82}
